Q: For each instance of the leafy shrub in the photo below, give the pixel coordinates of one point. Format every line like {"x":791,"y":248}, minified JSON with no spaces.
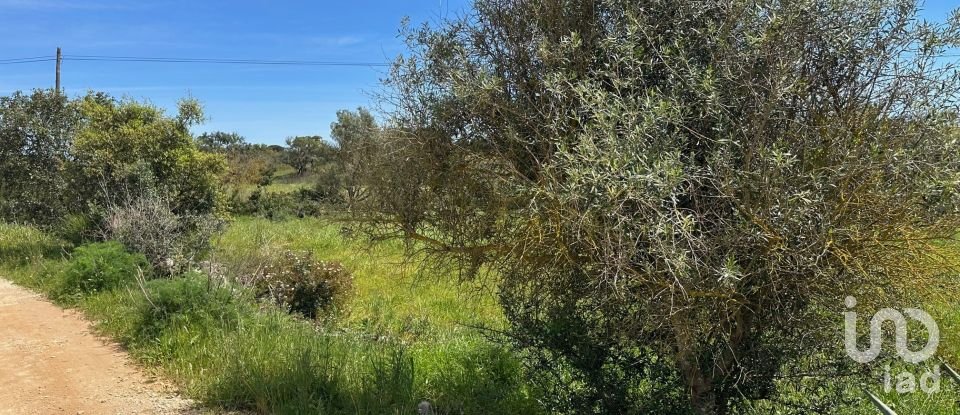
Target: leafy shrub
{"x":100,"y":267}
{"x":125,"y":144}
{"x":190,"y":299}
{"x":300,"y":284}
{"x":36,"y":133}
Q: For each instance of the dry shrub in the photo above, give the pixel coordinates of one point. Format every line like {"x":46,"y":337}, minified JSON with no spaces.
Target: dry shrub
{"x":173,"y":243}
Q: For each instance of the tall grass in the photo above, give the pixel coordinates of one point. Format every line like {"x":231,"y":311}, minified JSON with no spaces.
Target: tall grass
{"x":21,"y":245}
{"x":435,"y":321}
{"x":228,"y":351}
{"x":391,"y":298}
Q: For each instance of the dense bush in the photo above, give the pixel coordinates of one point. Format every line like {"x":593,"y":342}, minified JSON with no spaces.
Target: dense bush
{"x":300,"y":284}
{"x":36,"y":133}
{"x":680,"y":192}
{"x":100,"y":267}
{"x":282,"y":205}
{"x":62,"y":157}
{"x":124,"y":146}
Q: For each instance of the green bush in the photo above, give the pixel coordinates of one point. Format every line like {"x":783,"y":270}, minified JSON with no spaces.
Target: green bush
{"x":76,"y":228}
{"x":125,"y":145}
{"x":300,"y":284}
{"x":36,"y":132}
{"x":278,"y":205}
{"x":100,"y":267}
{"x":175,"y":303}
{"x":704,"y":180}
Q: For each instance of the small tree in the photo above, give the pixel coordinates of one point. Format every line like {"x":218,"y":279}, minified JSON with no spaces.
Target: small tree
{"x":36,"y":133}
{"x":357,"y":137}
{"x":303,"y":152}
{"x":676,"y":196}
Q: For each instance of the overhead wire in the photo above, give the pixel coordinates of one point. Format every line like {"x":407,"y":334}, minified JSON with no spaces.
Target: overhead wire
{"x":27,"y":60}
{"x":220,"y":61}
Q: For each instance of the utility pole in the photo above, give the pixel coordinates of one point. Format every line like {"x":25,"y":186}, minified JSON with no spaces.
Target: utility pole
{"x":59,"y":60}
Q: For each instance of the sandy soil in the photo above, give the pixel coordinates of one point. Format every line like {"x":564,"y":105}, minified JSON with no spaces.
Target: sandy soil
{"x":52,"y":363}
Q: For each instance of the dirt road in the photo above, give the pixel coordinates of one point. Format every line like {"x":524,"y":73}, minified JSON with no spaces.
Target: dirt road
{"x":51,"y":363}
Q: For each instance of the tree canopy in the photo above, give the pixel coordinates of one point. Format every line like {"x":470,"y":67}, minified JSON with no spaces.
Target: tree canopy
{"x":123,"y":146}
{"x":64,"y":156}
{"x":357,"y":137}
{"x":674,"y":196}
{"x":36,"y":133}
{"x":303,"y":152}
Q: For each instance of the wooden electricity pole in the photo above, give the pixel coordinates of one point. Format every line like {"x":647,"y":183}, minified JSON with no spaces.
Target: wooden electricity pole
{"x":59,"y":60}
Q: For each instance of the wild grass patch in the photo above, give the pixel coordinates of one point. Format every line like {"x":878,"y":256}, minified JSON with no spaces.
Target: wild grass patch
{"x":229,"y":351}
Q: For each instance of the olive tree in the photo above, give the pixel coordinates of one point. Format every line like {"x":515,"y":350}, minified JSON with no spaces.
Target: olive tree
{"x":675,"y":197}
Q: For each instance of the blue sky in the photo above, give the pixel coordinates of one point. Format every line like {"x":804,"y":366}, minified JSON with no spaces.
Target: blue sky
{"x":265,"y":104}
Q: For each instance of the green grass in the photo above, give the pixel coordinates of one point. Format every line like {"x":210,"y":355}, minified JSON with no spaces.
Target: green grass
{"x":285,"y":180}
{"x":433,"y":318}
{"x":390,"y":297}
{"x":404,"y":337}
{"x":228,"y":351}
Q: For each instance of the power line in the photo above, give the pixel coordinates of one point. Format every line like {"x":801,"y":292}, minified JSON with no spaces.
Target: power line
{"x":26,"y":60}
{"x":21,"y":59}
{"x":105,"y":58}
{"x":220,"y":60}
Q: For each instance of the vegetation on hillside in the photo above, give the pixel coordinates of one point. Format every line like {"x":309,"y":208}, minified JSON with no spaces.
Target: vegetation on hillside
{"x":578,"y":207}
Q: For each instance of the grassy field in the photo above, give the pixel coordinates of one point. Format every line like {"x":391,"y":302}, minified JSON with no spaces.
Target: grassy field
{"x":284,"y":180}
{"x":391,"y":298}
{"x":404,"y":336}
{"x":402,"y":340}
